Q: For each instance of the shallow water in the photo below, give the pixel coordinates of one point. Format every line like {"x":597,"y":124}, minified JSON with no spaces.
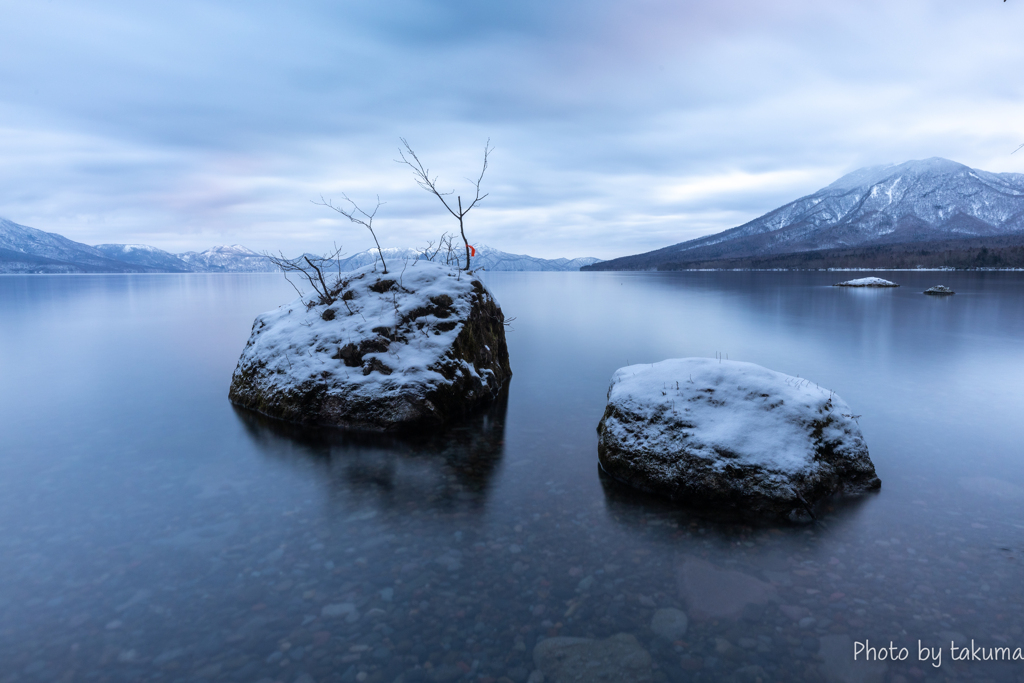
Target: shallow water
{"x":150,"y":531}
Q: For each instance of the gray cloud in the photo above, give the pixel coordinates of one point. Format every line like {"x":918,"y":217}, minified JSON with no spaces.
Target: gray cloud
{"x":619,"y":127}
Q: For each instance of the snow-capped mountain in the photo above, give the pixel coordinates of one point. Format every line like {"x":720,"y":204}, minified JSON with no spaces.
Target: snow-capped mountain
{"x":27,"y":250}
{"x":495,"y":260}
{"x":143,"y":255}
{"x":917,"y":201}
{"x":488,"y":258}
{"x":233,"y":259}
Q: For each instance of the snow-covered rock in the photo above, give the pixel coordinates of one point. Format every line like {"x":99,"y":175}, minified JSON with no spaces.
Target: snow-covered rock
{"x":702,"y":430}
{"x":940,"y":290}
{"x":416,"y":347}
{"x":866,"y":282}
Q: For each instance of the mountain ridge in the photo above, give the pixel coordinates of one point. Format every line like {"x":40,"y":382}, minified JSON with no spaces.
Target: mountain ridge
{"x":29,"y":250}
{"x":916,"y":201}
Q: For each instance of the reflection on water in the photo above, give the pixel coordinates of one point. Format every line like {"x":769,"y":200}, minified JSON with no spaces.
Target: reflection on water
{"x":447,"y":470}
{"x":629,"y":505}
{"x":150,"y":532}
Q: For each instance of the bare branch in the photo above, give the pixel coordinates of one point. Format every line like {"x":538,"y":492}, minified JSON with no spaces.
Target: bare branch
{"x":422,"y":175}
{"x":487,"y":151}
{"x":313,"y":269}
{"x":354,"y":214}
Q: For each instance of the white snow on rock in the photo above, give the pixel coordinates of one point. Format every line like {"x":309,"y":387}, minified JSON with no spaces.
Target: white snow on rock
{"x":701,"y":428}
{"x":386,"y":338}
{"x":866,"y":282}
{"x":295,"y":352}
{"x":757,"y":415}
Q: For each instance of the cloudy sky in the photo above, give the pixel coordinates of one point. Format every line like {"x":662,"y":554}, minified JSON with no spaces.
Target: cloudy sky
{"x":617,"y":126}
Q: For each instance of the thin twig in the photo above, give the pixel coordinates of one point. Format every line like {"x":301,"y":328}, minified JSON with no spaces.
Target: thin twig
{"x":354,"y":214}
{"x":422,"y":175}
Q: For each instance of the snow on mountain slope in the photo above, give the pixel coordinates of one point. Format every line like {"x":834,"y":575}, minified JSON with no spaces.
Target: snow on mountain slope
{"x":495,"y":260}
{"x":27,"y":250}
{"x":144,"y":255}
{"x":917,"y":201}
{"x":223,"y":259}
{"x":488,"y":258}
{"x":23,"y":239}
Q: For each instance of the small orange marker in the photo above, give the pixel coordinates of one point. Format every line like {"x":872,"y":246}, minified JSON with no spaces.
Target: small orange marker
{"x":472,"y":250}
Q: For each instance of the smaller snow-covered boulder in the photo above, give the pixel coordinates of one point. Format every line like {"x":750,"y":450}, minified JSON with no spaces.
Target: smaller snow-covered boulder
{"x":939,"y":290}
{"x":701,"y":430}
{"x":410,"y":349}
{"x":866,"y":282}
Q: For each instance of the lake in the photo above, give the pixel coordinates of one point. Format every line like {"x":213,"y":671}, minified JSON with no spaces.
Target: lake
{"x":149,"y":531}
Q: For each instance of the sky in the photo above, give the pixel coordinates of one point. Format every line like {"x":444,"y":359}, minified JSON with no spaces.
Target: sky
{"x":618,"y":127}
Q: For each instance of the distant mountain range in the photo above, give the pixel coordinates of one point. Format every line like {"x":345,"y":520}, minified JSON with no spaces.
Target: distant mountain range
{"x":932,"y":213}
{"x":27,"y":250}
{"x":486,"y":257}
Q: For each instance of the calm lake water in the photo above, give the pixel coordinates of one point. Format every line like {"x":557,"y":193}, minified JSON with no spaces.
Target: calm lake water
{"x":149,"y":531}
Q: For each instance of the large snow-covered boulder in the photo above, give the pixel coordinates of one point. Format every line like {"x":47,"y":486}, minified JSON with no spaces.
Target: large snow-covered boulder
{"x":703,"y":430}
{"x":414,"y":348}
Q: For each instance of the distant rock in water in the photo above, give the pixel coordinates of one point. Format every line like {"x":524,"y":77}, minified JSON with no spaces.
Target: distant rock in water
{"x":941,"y":290}
{"x":866,"y":282}
{"x":704,"y":431}
{"x":410,"y":349}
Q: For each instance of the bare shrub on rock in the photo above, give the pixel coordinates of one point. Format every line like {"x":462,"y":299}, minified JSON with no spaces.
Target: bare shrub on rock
{"x":423,"y":179}
{"x":315,"y":271}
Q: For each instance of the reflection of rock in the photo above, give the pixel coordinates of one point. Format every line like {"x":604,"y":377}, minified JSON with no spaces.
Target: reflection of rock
{"x":452,"y":468}
{"x":702,"y":430}
{"x":669,"y":623}
{"x":635,"y":510}
{"x":713,"y":593}
{"x":619,"y":659}
{"x":407,"y":350}
{"x":839,"y":667}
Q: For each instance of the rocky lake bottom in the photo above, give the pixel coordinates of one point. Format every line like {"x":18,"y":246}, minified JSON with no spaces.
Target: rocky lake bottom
{"x":149,"y":531}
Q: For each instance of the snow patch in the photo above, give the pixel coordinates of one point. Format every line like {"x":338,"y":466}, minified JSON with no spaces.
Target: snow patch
{"x":748,"y":413}
{"x":866,"y":282}
{"x":296,"y":343}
